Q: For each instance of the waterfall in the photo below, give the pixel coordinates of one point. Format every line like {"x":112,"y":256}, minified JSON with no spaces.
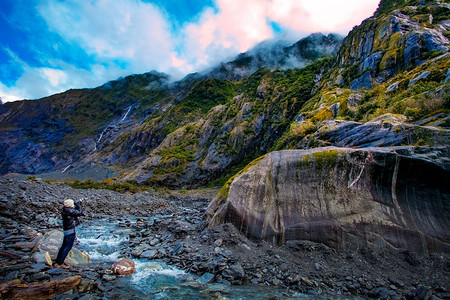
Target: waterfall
{"x":100,"y":137}
{"x":128,"y":110}
{"x":65,"y":169}
{"x":126,"y":114}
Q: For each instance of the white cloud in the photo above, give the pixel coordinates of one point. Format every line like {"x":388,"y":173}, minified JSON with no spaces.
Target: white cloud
{"x":38,"y":82}
{"x":131,"y":36}
{"x":238,"y":25}
{"x":54,"y":76}
{"x":129,"y":30}
{"x":8,"y":94}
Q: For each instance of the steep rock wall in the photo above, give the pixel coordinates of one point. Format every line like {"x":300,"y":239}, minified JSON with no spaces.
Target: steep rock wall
{"x":390,"y":43}
{"x":345,"y":198}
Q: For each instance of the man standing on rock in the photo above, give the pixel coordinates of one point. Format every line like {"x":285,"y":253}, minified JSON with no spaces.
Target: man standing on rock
{"x":70,"y":213}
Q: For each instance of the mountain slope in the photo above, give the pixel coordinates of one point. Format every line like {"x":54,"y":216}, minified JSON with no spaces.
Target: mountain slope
{"x":389,"y":73}
{"x":395,"y":64}
{"x":123,"y":122}
{"x":277,"y":56}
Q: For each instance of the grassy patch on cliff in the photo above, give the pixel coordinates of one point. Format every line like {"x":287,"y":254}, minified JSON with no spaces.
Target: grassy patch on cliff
{"x":108,"y":184}
{"x":326,"y":159}
{"x":178,"y":152}
{"x":206,"y":94}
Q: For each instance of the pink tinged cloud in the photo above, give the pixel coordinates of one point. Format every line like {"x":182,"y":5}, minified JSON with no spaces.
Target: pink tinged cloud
{"x":139,"y":34}
{"x":321,"y":15}
{"x":238,"y":25}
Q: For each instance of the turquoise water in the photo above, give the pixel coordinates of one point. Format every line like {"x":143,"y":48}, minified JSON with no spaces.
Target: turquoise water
{"x":154,"y":279}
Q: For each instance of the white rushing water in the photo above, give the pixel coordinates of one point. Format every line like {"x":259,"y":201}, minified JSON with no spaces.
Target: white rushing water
{"x":102,"y":240}
{"x":126,"y":114}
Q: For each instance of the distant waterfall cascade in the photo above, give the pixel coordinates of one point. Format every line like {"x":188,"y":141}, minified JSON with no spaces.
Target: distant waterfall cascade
{"x":127,"y":113}
{"x":113,"y":125}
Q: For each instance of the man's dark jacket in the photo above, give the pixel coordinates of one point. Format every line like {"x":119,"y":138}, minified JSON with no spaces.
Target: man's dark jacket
{"x":70,"y":216}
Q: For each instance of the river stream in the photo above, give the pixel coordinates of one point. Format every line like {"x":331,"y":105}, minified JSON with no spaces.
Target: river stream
{"x":154,"y":279}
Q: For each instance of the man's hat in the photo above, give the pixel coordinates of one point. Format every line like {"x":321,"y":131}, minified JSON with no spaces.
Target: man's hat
{"x":69,"y":203}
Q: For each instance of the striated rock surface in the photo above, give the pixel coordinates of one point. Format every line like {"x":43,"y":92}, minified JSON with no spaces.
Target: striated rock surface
{"x":384,"y":131}
{"x":345,"y":198}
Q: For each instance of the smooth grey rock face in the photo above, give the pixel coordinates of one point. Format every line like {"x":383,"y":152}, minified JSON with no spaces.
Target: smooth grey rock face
{"x":52,"y":240}
{"x":365,"y":81}
{"x":386,"y":131}
{"x":344,"y":198}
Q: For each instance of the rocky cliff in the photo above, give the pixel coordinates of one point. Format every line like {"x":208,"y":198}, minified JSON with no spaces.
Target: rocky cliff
{"x":394,"y":41}
{"x":186,"y":133}
{"x":345,"y":198}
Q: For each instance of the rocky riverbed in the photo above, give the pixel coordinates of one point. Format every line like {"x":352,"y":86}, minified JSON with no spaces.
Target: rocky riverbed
{"x":179,"y":237}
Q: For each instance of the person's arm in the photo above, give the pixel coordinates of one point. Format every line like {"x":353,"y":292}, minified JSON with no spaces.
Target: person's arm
{"x":77,"y":210}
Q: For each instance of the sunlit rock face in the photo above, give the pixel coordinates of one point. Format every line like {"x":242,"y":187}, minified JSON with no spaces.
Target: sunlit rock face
{"x":396,"y":39}
{"x":345,"y":198}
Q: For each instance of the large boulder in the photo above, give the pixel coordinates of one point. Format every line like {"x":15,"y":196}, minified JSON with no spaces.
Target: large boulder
{"x":52,"y":240}
{"x":125,"y":266}
{"x":344,"y":198}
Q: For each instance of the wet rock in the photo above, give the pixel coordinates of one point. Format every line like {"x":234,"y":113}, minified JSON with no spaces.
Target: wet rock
{"x":87,"y":285}
{"x":206,"y":278}
{"x":149,"y":254}
{"x":11,"y":276}
{"x":10,"y":254}
{"x":52,"y":221}
{"x":276,"y":281}
{"x":234,"y":271}
{"x":294,"y":280}
{"x":39,"y":266}
{"x":55,"y":271}
{"x":178,"y":248}
{"x":422,"y":293}
{"x":306,"y":281}
{"x":154,"y":242}
{"x":42,"y":257}
{"x":125,"y":266}
{"x":247,"y":247}
{"x":40,"y":277}
{"x":88,"y":297}
{"x":18,"y":289}
{"x":108,"y":278}
{"x":317,"y":266}
{"x":24,"y":245}
{"x":137,"y":252}
{"x":396,"y":282}
{"x":379,"y":292}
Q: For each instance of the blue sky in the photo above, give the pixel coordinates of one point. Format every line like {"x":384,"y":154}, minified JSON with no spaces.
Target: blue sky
{"x":49,"y":46}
